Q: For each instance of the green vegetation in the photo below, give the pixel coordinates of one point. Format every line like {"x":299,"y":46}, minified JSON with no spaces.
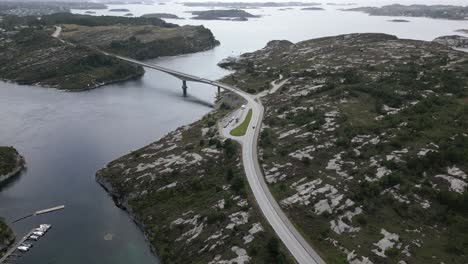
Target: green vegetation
{"x":34,"y":57}
{"x":6,"y":236}
{"x":8,"y":159}
{"x":212,"y":190}
{"x":383,"y":131}
{"x":242,"y":128}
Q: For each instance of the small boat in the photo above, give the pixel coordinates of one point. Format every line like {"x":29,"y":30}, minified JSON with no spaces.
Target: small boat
{"x":33,"y":237}
{"x":28,"y":245}
{"x":46,"y":226}
{"x":38,"y":233}
{"x":23,"y":248}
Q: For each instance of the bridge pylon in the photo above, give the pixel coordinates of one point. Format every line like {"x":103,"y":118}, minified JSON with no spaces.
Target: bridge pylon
{"x":184,"y":87}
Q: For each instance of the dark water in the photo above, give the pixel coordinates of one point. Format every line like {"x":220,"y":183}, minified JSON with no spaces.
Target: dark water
{"x":65,"y":138}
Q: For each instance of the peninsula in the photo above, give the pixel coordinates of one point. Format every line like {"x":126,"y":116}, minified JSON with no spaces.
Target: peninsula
{"x":30,"y":55}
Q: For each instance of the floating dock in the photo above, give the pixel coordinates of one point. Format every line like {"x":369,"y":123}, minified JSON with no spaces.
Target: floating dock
{"x":49,"y":210}
{"x":45,"y":211}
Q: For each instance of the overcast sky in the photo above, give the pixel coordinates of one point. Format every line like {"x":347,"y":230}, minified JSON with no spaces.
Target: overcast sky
{"x":369,"y":2}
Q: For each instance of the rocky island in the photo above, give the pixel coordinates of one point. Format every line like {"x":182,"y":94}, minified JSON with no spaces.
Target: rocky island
{"x":162,"y":16}
{"x":399,"y":20}
{"x":365,"y":146}
{"x":241,"y":5}
{"x":29,"y":55}
{"x":232,"y":14}
{"x":119,"y":10}
{"x":313,"y":8}
{"x":434,"y":11}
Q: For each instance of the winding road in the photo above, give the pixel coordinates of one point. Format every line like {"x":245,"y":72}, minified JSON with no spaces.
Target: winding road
{"x":292,"y":239}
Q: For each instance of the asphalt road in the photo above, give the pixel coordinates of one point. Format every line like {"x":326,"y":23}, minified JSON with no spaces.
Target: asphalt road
{"x":294,"y":242}
{"x":285,"y":230}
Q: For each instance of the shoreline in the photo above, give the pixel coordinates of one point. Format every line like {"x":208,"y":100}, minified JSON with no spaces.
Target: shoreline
{"x":119,"y":199}
{"x":20,"y":165}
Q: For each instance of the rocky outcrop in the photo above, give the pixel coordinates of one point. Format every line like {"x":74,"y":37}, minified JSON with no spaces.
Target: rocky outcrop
{"x":187,"y":193}
{"x":454,"y":41}
{"x":142,"y":41}
{"x":11,"y":163}
{"x":162,"y":15}
{"x":364,"y":146}
{"x":231,"y":14}
{"x":7,"y":237}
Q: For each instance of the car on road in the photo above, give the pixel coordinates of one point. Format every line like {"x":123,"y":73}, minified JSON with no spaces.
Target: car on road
{"x":243,"y":106}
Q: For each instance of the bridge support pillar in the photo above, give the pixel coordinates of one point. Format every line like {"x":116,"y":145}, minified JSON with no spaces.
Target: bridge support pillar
{"x":219,"y":89}
{"x":184,"y":87}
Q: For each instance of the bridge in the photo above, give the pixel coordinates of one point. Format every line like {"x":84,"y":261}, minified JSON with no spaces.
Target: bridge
{"x":293,"y":240}
{"x":184,"y":77}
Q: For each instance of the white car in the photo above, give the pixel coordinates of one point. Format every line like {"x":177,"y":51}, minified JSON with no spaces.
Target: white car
{"x":23,"y":248}
{"x":243,"y":106}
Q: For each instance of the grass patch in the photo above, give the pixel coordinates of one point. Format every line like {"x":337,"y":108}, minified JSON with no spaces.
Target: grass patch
{"x":242,"y":128}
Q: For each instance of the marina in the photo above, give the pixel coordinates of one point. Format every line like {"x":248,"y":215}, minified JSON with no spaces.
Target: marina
{"x":21,"y":247}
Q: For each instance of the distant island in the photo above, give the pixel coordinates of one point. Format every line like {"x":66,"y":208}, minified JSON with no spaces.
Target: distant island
{"x":162,"y":15}
{"x":44,"y":8}
{"x":339,"y":4}
{"x":399,"y":20}
{"x":434,"y":11}
{"x":31,"y":56}
{"x":119,"y":10}
{"x":313,"y":8}
{"x":462,"y":31}
{"x":248,"y":4}
{"x":232,"y":14}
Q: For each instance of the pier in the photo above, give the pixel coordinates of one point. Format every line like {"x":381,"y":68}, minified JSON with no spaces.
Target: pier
{"x":10,"y":255}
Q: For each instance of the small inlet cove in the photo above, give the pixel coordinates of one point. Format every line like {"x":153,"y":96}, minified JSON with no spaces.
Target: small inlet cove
{"x":66,"y":137}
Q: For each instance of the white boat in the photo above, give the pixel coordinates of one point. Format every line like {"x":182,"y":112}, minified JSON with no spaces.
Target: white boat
{"x":23,"y":248}
{"x":46,"y":226}
{"x":28,"y":245}
{"x":33,"y":237}
{"x":38,"y":233}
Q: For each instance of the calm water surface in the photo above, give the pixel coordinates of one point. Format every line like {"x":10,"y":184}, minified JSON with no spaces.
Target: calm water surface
{"x":67,"y":137}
